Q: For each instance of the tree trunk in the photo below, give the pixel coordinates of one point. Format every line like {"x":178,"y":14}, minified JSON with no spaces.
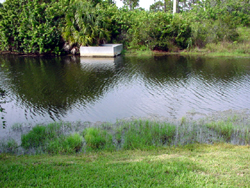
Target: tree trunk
{"x":177,"y":6}
{"x":165,"y":6}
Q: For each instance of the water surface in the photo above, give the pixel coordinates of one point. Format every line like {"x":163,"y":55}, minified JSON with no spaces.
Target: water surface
{"x":45,"y":89}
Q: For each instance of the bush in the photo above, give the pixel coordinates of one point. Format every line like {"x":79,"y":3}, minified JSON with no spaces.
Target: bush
{"x":35,"y":138}
{"x":72,"y":143}
{"x":28,"y":31}
{"x":206,"y":31}
{"x":160,"y":31}
{"x":97,"y":139}
{"x":40,"y":135}
{"x":65,"y":144}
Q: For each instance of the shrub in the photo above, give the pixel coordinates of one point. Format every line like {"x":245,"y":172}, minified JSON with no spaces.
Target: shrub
{"x":72,"y":143}
{"x":36,"y":137}
{"x":40,"y":135}
{"x":28,"y":31}
{"x":55,"y":146}
{"x":97,"y":139}
{"x":65,"y":144}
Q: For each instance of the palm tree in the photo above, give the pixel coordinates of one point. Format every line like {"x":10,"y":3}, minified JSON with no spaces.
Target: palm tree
{"x":85,"y":24}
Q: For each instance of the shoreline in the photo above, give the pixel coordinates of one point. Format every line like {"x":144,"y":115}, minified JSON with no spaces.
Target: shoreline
{"x":138,"y":53}
{"x":226,"y":127}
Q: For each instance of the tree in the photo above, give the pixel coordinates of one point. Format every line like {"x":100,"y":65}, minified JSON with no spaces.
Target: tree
{"x":161,"y":5}
{"x":85,"y":24}
{"x":157,"y":6}
{"x":131,"y":3}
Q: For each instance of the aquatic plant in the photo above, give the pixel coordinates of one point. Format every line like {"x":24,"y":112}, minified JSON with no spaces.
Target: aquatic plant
{"x":144,"y":134}
{"x":97,"y":138}
{"x":224,"y":128}
{"x":65,"y":144}
{"x":127,"y":135}
{"x":72,"y":143}
{"x":40,"y":135}
{"x":10,"y":146}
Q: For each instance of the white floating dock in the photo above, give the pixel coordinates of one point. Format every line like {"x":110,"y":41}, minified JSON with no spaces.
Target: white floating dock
{"x":105,"y":50}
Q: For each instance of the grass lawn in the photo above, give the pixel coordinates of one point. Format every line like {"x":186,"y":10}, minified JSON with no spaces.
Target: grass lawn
{"x":198,"y":165}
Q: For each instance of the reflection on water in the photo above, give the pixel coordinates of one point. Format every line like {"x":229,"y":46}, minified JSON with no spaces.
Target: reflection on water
{"x":86,"y":89}
{"x":2,"y":110}
{"x":99,"y":64}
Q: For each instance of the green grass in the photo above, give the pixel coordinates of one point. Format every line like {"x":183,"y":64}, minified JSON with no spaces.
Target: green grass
{"x":138,"y":153}
{"x":146,"y":134}
{"x":197,"y":165}
{"x":97,"y":139}
{"x":51,"y":139}
{"x":65,"y":144}
{"x":225,"y":129}
{"x":40,"y":135}
{"x":228,"y":130}
{"x":127,"y":135}
{"x":221,"y":50}
{"x":139,"y":52}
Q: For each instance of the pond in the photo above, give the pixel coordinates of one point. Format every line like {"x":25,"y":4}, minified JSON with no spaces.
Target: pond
{"x":45,"y":89}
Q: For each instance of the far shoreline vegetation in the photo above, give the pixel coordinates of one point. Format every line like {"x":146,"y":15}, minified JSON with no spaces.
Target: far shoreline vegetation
{"x":60,"y":27}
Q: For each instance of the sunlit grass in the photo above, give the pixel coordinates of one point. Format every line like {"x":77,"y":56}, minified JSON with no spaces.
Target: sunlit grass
{"x":197,"y":165}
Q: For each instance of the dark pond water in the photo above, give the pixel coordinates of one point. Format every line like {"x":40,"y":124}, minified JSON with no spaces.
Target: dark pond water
{"x":40,"y":90}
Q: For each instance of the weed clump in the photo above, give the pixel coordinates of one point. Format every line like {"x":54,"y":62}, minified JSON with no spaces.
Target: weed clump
{"x":224,"y":128}
{"x":136,"y":134}
{"x":40,"y":135}
{"x":65,"y":144}
{"x":143,"y":134}
{"x":97,"y":139}
{"x":10,"y":146}
{"x":51,"y":139}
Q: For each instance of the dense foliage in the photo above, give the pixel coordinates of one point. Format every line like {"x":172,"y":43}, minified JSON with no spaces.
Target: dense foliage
{"x":46,"y":26}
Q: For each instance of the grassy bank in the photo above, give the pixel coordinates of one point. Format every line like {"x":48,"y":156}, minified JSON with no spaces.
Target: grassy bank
{"x":212,"y":50}
{"x":67,"y":138}
{"x":196,"y":165}
{"x":135,"y":153}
